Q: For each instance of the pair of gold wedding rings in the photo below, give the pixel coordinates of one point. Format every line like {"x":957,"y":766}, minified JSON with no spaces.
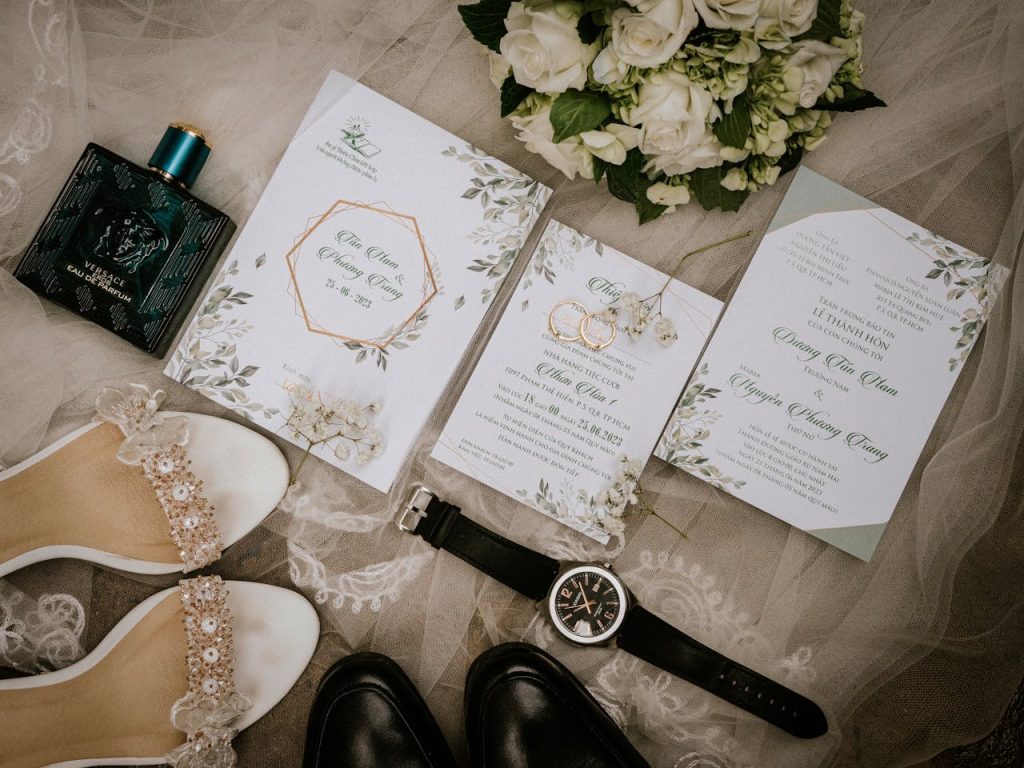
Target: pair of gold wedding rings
{"x":570,"y":320}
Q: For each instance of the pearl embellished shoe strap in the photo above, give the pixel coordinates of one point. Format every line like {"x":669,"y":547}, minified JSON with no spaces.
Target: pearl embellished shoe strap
{"x":206,"y":713}
{"x":193,"y":527}
{"x":157,"y":443}
{"x":208,"y":637}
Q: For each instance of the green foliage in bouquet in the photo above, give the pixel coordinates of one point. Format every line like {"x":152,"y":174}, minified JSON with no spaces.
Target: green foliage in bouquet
{"x":673,"y":100}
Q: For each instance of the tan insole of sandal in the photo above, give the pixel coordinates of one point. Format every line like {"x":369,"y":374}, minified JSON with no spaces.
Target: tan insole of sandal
{"x":81,"y":495}
{"x":118,"y":708}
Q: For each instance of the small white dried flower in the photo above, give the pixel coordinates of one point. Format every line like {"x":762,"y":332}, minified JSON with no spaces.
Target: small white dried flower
{"x":665,"y":331}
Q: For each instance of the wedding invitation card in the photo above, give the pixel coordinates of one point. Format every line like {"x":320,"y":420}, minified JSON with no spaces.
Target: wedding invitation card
{"x":828,"y":370}
{"x":577,"y":380}
{"x":358,"y":281}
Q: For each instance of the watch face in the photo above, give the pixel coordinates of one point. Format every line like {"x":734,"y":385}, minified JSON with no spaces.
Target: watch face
{"x":587,"y":604}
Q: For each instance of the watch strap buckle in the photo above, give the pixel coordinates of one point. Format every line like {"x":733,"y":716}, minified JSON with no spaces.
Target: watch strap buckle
{"x":415,"y":507}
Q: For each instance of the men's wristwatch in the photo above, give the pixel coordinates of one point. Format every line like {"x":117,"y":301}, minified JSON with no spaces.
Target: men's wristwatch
{"x":588,"y":604}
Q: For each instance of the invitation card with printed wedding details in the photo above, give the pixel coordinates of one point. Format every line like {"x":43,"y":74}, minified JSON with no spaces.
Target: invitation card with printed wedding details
{"x":831,"y":364}
{"x":358,"y":281}
{"x":561,"y":409}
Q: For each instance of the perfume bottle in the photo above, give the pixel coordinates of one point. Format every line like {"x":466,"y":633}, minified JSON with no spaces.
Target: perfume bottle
{"x":129,"y":247}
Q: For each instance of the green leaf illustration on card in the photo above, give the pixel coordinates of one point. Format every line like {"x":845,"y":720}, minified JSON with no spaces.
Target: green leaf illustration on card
{"x":682,"y":442}
{"x":963,"y":272}
{"x":558,"y":249}
{"x":399,"y":338}
{"x":511,"y":204}
{"x":207,"y":360}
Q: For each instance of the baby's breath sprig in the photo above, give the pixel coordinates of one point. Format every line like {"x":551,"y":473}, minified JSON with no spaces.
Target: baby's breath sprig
{"x":623,"y":493}
{"x":633,"y":315}
{"x":344,"y":423}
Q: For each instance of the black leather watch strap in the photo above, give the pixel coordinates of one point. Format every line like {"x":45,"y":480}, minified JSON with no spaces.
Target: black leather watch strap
{"x":655,"y":641}
{"x":445,"y":527}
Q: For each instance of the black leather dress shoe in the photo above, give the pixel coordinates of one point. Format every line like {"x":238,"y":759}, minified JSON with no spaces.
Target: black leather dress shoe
{"x":368,"y":714}
{"x":525,"y":710}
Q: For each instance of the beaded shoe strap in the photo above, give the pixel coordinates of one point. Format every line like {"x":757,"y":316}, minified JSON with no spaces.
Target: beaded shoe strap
{"x":157,"y":443}
{"x":212,"y":703}
{"x":180,"y":494}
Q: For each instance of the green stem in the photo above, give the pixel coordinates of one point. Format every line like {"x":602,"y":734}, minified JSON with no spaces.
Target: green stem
{"x":645,"y":507}
{"x":313,"y":444}
{"x":666,"y":522}
{"x":685,"y":256}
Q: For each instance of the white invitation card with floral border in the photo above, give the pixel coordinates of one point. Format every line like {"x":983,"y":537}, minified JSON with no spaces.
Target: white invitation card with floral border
{"x":358,"y":281}
{"x":831,"y":364}
{"x":577,"y":381}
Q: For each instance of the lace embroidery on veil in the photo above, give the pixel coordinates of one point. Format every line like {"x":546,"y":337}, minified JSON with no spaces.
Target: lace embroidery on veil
{"x":313,"y":518}
{"x":673,"y":711}
{"x":39,"y":635}
{"x":33,"y":126}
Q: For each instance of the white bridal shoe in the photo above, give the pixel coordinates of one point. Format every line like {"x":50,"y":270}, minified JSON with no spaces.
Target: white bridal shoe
{"x":195,"y":664}
{"x":141,"y":491}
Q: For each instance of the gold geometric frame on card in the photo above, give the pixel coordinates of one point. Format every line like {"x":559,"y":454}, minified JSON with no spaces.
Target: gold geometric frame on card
{"x":430,"y":288}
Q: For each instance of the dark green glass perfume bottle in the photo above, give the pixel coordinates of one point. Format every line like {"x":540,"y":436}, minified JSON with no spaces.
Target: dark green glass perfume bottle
{"x":129,"y":247}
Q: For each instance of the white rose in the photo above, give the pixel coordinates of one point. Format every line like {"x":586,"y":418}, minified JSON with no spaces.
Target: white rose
{"x":782,"y":20}
{"x":729,"y":14}
{"x":543,"y":47}
{"x":642,"y":41}
{"x":568,"y":156}
{"x":667,"y":14}
{"x":499,"y":68}
{"x":670,"y":96}
{"x":612,"y":143}
{"x":608,"y":68}
{"x":818,"y":63}
{"x":700,"y":150}
{"x":659,"y":137}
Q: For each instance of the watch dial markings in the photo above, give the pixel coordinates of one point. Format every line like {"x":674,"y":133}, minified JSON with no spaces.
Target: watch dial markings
{"x":588,"y":604}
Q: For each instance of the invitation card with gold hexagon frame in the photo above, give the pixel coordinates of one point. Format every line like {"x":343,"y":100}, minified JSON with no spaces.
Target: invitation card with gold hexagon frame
{"x":354,"y":289}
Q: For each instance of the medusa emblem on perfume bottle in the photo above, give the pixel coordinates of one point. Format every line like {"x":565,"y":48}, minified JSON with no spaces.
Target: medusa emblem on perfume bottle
{"x":128,"y":237}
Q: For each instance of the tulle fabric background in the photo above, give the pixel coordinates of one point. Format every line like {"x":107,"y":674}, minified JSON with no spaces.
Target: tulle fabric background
{"x":909,"y":654}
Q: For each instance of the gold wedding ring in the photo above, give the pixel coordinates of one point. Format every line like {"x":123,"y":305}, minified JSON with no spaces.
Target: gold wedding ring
{"x":570,"y":320}
{"x":599,"y":337}
{"x":565,"y":320}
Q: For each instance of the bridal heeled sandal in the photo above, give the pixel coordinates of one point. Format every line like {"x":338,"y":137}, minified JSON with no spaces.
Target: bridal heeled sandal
{"x":195,"y":663}
{"x":140,"y":491}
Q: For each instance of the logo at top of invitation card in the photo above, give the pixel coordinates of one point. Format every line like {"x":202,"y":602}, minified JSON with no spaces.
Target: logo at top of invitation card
{"x":361,"y":274}
{"x":354,"y":135}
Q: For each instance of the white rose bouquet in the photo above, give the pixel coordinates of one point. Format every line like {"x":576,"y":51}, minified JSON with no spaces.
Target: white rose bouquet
{"x":673,"y":99}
